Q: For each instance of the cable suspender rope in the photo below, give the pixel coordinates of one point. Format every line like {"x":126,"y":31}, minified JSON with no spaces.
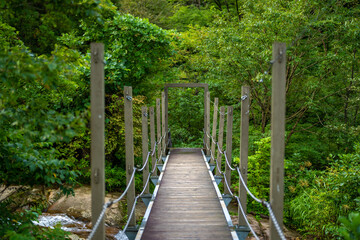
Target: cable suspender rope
{"x":263,"y":202}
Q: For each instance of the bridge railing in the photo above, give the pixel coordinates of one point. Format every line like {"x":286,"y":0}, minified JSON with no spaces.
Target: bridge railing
{"x":132,"y":180}
{"x":277,"y":148}
{"x":158,"y":150}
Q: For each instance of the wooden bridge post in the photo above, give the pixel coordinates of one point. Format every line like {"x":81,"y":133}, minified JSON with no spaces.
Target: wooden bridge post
{"x":163,"y":148}
{"x":158,"y":129}
{"x":166,"y":111}
{"x":277,"y":135}
{"x":152,"y":138}
{"x":216,"y":102}
{"x":244,"y":146}
{"x":207,"y":126}
{"x":97,"y":99}
{"x":220,"y":137}
{"x":129,"y":151}
{"x":145,"y":145}
{"x":229,"y":134}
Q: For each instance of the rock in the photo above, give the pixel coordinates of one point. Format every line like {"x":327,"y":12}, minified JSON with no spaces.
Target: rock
{"x":75,"y":237}
{"x":79,"y":207}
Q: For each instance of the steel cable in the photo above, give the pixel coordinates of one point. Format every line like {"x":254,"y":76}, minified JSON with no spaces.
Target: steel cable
{"x":108,"y":204}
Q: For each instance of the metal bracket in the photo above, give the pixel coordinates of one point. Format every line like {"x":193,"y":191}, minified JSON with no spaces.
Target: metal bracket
{"x":242,"y":232}
{"x":227,"y":198}
{"x":160,"y":167}
{"x":154,"y":180}
{"x":212,"y":167}
{"x":218,"y":179}
{"x":208,"y":159}
{"x":146,"y":199}
{"x":131,"y":232}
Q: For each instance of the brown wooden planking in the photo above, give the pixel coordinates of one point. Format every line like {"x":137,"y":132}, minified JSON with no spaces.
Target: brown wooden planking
{"x":186,"y":206}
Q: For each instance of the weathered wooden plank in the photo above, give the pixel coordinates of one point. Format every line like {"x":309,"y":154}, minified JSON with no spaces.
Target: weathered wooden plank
{"x":207,"y":125}
{"x":213,"y":133}
{"x":244,"y":145}
{"x":129,"y":150}
{"x":186,"y":85}
{"x":163,"y":123}
{"x":97,"y":100}
{"x":186,"y":206}
{"x":152,"y":138}
{"x":220,"y":137}
{"x":145,"y":145}
{"x":158,"y":130}
{"x":277,"y":135}
{"x":229,"y":134}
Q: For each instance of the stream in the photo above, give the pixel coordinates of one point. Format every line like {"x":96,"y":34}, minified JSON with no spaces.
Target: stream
{"x":77,"y":227}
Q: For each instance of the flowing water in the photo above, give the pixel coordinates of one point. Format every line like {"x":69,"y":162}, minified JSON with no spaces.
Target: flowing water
{"x":74,"y":226}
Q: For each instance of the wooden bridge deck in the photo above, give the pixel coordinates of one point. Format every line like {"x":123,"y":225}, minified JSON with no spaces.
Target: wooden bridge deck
{"x":186,"y":205}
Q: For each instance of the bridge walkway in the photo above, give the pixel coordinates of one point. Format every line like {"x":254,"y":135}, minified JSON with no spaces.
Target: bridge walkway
{"x":187,"y":205}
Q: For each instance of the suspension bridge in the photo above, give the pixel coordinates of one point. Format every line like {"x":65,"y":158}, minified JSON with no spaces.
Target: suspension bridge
{"x":186,"y":202}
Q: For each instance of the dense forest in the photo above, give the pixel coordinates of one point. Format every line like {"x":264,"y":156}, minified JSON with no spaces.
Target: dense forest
{"x":45,"y":100}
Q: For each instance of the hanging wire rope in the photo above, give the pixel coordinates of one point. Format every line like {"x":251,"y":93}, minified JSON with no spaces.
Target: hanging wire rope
{"x":263,"y":202}
{"x":111,"y":202}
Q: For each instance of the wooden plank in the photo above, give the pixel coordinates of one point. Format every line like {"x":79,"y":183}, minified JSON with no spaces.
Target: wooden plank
{"x":163,"y":123}
{"x":97,"y":122}
{"x":186,"y":85}
{"x":213,"y":145}
{"x":244,"y":145}
{"x":186,"y":206}
{"x":129,"y":151}
{"x":166,"y":110}
{"x":145,"y":145}
{"x":152,"y":139}
{"x":220,"y":137}
{"x":207,"y":126}
{"x":229,"y":127}
{"x":206,"y":89}
{"x":277,"y":135}
{"x":158,"y":130}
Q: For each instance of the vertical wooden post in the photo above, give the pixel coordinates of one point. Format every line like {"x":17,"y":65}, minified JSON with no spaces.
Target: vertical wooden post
{"x":229,"y":127}
{"x":221,"y":136}
{"x":207,"y":127}
{"x":97,"y":99}
{"x":145,"y":145}
{"x":277,"y":135}
{"x":216,"y":102}
{"x":152,"y":138}
{"x":206,"y":89}
{"x":166,"y":110}
{"x":129,"y":151}
{"x":244,"y":143}
{"x":158,"y":129}
{"x":163,"y":123}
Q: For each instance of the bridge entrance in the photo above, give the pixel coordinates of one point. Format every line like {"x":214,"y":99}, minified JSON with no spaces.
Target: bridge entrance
{"x":206,"y":112}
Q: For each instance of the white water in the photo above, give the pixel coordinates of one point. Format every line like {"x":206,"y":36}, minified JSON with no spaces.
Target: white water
{"x":67,"y":224}
{"x":70,"y":224}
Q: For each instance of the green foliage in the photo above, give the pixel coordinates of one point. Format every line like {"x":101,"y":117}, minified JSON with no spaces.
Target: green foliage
{"x":189,"y":15}
{"x":326,"y":195}
{"x":20,"y":226}
{"x":40,"y":23}
{"x":186,"y":117}
{"x":350,"y":229}
{"x":157,"y":11}
{"x":30,"y":125}
{"x":259,"y":174}
{"x":134,"y":48}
